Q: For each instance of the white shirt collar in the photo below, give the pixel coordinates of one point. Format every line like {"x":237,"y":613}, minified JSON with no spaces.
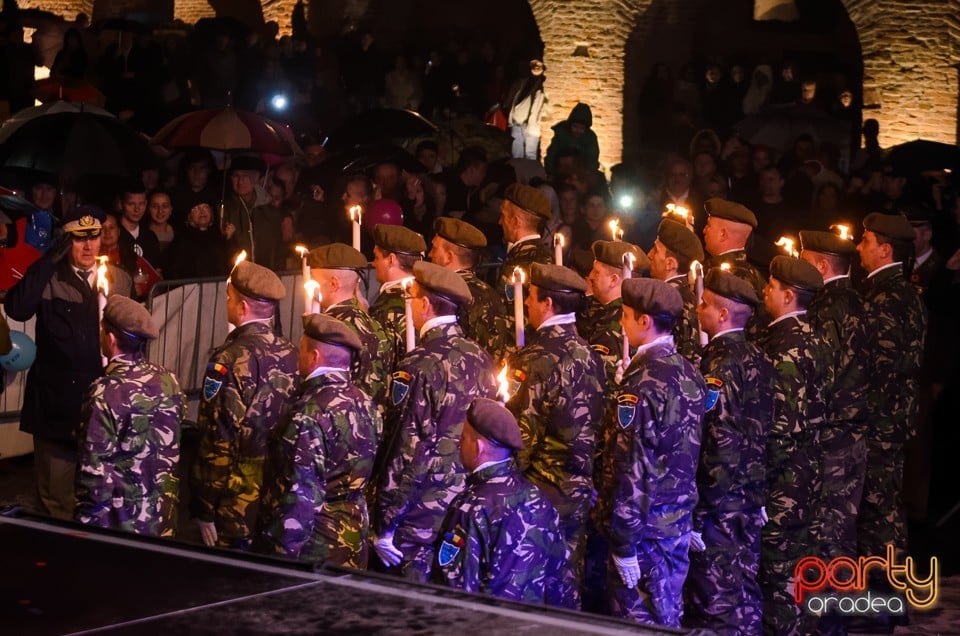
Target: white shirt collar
{"x":920,"y":260}
{"x":883,"y":267}
{"x":263,"y":320}
{"x":489,"y":464}
{"x":528,"y":237}
{"x":436,"y":322}
{"x":675,"y":277}
{"x":391,"y":284}
{"x":726,"y":331}
{"x":736,"y":249}
{"x":559,"y":319}
{"x":661,"y":340}
{"x":91,"y":280}
{"x":791,"y":314}
{"x":833,"y":278}
{"x":324,"y":371}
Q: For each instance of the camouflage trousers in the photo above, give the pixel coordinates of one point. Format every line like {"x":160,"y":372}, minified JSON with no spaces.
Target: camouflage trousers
{"x":236,"y":516}
{"x":722,"y":592}
{"x":573,"y":512}
{"x":779,"y":552}
{"x":593,"y":593}
{"x":844,"y":469}
{"x":658,"y":597}
{"x":882,"y":520}
{"x":341,"y":535}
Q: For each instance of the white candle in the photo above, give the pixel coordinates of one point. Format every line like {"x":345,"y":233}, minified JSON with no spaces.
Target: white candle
{"x":558,"y":248}
{"x":356,"y":212}
{"x":627,"y":273}
{"x":408,"y":314}
{"x":696,"y":283}
{"x":305,"y":271}
{"x":103,"y":286}
{"x":311,"y":297}
{"x":518,"y":278}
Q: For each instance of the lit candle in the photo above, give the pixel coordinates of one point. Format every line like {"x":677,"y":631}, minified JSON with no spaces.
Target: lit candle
{"x":628,"y":258}
{"x":305,"y":271}
{"x":696,"y":283}
{"x":103,"y":285}
{"x":242,"y":256}
{"x":558,"y":248}
{"x":518,"y":278}
{"x":312,"y":297}
{"x":615,"y":232}
{"x":725,"y":267}
{"x":356,"y":212}
{"x":843,"y":231}
{"x":408,"y":313}
{"x":787,"y":245}
{"x":503,"y":385}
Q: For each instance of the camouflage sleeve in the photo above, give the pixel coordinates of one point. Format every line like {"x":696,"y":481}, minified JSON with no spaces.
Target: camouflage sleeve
{"x":532,"y":404}
{"x":221,"y":415}
{"x":720,"y":446}
{"x":97,"y":453}
{"x":296,"y":515}
{"x":465,"y":542}
{"x":633,"y":479}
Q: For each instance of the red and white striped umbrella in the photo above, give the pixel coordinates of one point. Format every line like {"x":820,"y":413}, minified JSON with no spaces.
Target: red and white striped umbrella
{"x":227,"y":129}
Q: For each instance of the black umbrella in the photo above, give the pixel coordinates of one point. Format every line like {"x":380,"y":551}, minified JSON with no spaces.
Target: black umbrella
{"x":919,"y":155}
{"x":379,"y":125}
{"x":13,"y":206}
{"x":359,"y":159}
{"x":72,"y":145}
{"x":124,"y":25}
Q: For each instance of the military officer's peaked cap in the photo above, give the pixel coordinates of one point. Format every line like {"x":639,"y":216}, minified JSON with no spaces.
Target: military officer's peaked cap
{"x":130,"y":317}
{"x":85,"y":220}
{"x":652,"y":297}
{"x":894,"y":226}
{"x":492,"y":420}
{"x":398,"y":239}
{"x":729,"y":285}
{"x":796,"y":273}
{"x":324,"y":328}
{"x":257,"y":282}
{"x":336,"y":256}
{"x":442,"y":282}
{"x":730,"y":210}
{"x":459,"y":233}
{"x":557,"y":278}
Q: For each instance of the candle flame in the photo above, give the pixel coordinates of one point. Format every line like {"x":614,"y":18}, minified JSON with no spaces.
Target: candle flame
{"x":725,"y":267}
{"x":242,"y":256}
{"x":103,"y":285}
{"x":558,"y":239}
{"x":615,"y":232}
{"x":355,"y":213}
{"x":671,"y":207}
{"x":843,"y":231}
{"x":312,"y":289}
{"x":301,"y":250}
{"x":787,"y":245}
{"x":407,"y":284}
{"x":503,"y":385}
{"x":518,"y":276}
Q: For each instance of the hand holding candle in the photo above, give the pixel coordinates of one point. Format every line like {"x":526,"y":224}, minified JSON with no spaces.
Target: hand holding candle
{"x":356,"y":212}
{"x":408,"y":314}
{"x":518,"y":278}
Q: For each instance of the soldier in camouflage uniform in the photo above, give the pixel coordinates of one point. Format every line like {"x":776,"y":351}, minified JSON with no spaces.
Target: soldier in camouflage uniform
{"x":501,"y":536}
{"x":129,"y":438}
{"x":804,"y":374}
{"x":674,"y":249}
{"x":395,"y":250}
{"x":649,"y":475}
{"x":558,"y":405}
{"x":321,"y":456}
{"x":725,"y":237}
{"x":837,"y":315}
{"x":245,"y":386}
{"x":722,"y":591}
{"x":523,"y":215}
{"x":336,"y":269}
{"x":897,"y":324}
{"x":431,"y":392}
{"x":457,"y":246}
{"x":602,"y":320}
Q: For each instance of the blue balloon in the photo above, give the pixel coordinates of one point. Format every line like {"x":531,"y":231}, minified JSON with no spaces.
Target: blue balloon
{"x":22,"y":355}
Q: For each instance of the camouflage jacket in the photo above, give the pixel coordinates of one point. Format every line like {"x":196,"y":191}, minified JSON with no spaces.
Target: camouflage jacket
{"x":432,"y":390}
{"x":837,"y":314}
{"x":746,"y":270}
{"x":897,"y":323}
{"x":686,"y":331}
{"x":129,"y":449}
{"x":247,"y":381}
{"x":588,"y":318}
{"x":804,"y":372}
{"x":655,"y":443}
{"x":606,"y":334}
{"x":501,"y":537}
{"x":388,"y":310}
{"x":559,"y":407}
{"x":739,"y":413}
{"x":320,"y":457}
{"x":522,"y":255}
{"x":483,"y":320}
{"x":371,"y":368}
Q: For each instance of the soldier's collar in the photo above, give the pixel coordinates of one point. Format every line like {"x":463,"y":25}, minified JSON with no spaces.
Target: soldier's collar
{"x":319,"y":371}
{"x":438,"y":321}
{"x":885,"y":267}
{"x":523,"y":239}
{"x":791,"y":314}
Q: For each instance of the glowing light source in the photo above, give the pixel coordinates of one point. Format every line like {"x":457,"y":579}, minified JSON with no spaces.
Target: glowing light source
{"x":787,"y":245}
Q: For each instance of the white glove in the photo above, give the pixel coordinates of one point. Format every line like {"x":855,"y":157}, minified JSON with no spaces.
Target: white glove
{"x":387,"y":552}
{"x":629,"y":570}
{"x":208,"y":532}
{"x":696,"y":542}
{"x":621,"y":369}
{"x":763,"y":514}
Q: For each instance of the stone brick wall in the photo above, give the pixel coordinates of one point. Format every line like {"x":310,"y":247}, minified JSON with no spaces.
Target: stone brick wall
{"x":66,"y":8}
{"x":192,"y":10}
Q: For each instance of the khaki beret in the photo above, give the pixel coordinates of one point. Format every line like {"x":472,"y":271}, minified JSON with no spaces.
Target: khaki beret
{"x":398,"y":239}
{"x":324,"y":328}
{"x":611,"y":253}
{"x":795,"y":272}
{"x":557,"y":278}
{"x":256,"y":282}
{"x":493,"y":421}
{"x":826,"y":243}
{"x":530,"y":199}
{"x":894,"y":226}
{"x":336,"y":256}
{"x":652,"y":297}
{"x":459,"y":233}
{"x":729,"y":285}
{"x":130,"y":317}
{"x":680,"y":239}
{"x":730,"y":210}
{"x":442,"y":282}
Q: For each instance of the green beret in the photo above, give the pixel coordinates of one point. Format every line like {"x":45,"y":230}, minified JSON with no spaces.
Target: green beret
{"x":130,"y":317}
{"x":611,"y":253}
{"x":556,"y":278}
{"x":796,"y":272}
{"x":459,"y":233}
{"x":442,"y":282}
{"x":336,"y":256}
{"x":893,"y":226}
{"x":324,"y":328}
{"x":256,"y":282}
{"x":530,"y":199}
{"x":826,"y":243}
{"x":680,"y":239}
{"x":398,"y":239}
{"x":731,"y":286}
{"x":493,"y":421}
{"x":730,"y":210}
{"x":652,"y":297}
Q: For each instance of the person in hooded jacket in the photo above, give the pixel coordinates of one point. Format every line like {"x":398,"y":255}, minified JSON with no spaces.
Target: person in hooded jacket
{"x":575,"y":133}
